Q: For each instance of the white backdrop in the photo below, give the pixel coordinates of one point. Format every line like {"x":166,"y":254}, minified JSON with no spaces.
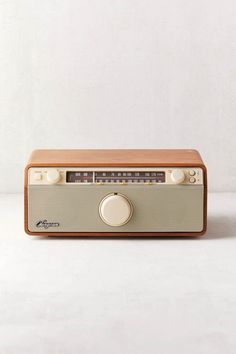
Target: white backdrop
{"x":120,"y":74}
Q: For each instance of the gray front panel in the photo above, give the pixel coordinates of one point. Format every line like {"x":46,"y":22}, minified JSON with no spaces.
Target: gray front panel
{"x":164,"y":208}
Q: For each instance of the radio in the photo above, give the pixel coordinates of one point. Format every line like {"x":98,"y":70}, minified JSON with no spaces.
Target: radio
{"x":115,"y":193}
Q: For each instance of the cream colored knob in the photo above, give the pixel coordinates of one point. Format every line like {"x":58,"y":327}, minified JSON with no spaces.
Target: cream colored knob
{"x":53,"y":176}
{"x":192,"y":173}
{"x":115,"y":210}
{"x":177,"y":176}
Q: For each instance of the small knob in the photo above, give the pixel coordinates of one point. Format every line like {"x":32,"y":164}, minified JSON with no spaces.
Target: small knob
{"x":53,"y":176}
{"x":177,"y":176}
{"x":115,"y":210}
{"x":192,"y":173}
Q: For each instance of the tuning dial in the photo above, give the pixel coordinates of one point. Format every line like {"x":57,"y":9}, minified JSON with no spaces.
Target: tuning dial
{"x":177,"y":176}
{"x":115,"y":210}
{"x":53,"y":176}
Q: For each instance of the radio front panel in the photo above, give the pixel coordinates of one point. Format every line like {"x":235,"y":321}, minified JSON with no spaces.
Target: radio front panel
{"x":98,"y":176}
{"x":115,"y":193}
{"x":115,"y":199}
{"x":163,"y":209}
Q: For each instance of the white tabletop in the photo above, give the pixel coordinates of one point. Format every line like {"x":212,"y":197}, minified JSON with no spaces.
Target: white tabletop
{"x":164,"y":295}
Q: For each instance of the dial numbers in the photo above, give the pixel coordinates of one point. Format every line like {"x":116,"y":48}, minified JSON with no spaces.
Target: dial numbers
{"x":130,"y":177}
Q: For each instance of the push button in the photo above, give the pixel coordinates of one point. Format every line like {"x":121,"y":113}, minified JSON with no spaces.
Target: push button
{"x":37,"y":176}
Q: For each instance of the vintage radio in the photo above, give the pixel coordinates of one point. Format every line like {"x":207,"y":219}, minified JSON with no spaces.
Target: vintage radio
{"x":115,"y":193}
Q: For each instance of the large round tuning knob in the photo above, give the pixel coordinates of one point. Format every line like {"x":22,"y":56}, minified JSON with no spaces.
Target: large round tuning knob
{"x":53,"y":176}
{"x":177,"y":176}
{"x":115,"y":210}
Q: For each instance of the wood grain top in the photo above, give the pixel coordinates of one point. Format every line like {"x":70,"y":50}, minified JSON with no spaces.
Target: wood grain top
{"x":116,"y":157}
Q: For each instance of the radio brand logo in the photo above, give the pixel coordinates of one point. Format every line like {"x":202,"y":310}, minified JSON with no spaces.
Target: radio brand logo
{"x":45,"y":224}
